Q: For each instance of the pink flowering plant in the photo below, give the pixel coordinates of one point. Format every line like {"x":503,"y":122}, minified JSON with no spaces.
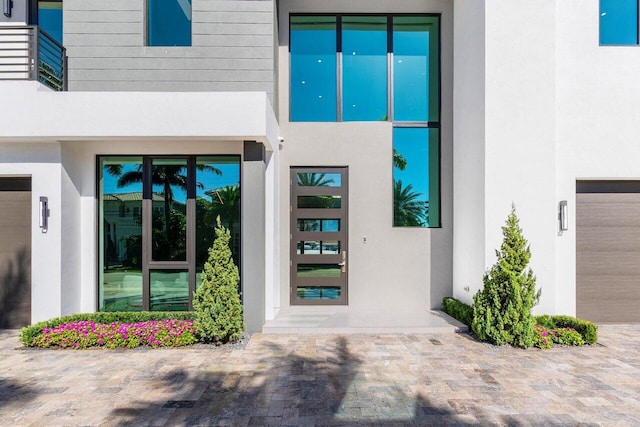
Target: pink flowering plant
{"x":542,"y":337}
{"x":85,"y":334}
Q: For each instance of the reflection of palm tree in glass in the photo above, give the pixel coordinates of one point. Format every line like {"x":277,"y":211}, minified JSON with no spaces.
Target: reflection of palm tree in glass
{"x":399,"y":160}
{"x":167,"y":176}
{"x":313,"y":179}
{"x":226,"y":205}
{"x":409,"y":210}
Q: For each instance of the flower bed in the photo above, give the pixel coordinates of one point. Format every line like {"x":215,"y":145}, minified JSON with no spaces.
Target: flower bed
{"x":85,"y":334}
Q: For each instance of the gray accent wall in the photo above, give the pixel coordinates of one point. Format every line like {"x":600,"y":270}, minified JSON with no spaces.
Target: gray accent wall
{"x":232,"y":48}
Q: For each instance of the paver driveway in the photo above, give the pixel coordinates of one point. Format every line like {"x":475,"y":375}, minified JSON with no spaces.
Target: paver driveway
{"x":439,"y":379}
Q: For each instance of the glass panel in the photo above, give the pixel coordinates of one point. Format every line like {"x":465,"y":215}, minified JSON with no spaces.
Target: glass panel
{"x":120,"y":234}
{"x":169,"y":23}
{"x":318,"y":292}
{"x":313,"y":69}
{"x":314,"y":179}
{"x":318,"y":247}
{"x":618,"y":22}
{"x":309,"y":248}
{"x":364,"y":68}
{"x":416,"y":177}
{"x":415,"y":57}
{"x":169,"y":225}
{"x":331,"y":225}
{"x":217,"y":194}
{"x":169,"y":290}
{"x":318,"y":270}
{"x":319,"y":202}
{"x":50,"y":18}
{"x":330,"y":247}
{"x":328,"y":225}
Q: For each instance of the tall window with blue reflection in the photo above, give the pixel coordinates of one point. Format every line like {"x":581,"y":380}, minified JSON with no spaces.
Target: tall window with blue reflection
{"x":416,"y":177}
{"x":50,"y":18}
{"x":415,"y":68}
{"x":364,"y":68}
{"x":169,"y":23}
{"x":313,"y":69}
{"x":618,"y":22}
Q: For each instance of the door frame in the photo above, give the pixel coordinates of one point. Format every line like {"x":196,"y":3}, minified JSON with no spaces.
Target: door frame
{"x":342,"y":214}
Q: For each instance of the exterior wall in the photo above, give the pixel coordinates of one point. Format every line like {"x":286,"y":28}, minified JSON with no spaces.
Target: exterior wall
{"x":18,"y":14}
{"x":42,"y":163}
{"x":598,"y":121}
{"x":397,"y":268}
{"x":232,"y":48}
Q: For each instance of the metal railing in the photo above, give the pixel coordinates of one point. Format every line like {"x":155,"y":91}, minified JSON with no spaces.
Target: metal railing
{"x":29,"y":53}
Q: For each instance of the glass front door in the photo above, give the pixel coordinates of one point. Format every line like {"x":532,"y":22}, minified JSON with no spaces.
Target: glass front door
{"x":319,"y":236}
{"x":157,"y":220}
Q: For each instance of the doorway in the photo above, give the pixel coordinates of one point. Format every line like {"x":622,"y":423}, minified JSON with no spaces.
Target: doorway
{"x":319,"y":230}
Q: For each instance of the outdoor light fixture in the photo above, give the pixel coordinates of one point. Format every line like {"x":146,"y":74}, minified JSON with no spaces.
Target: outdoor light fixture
{"x":7,"y":5}
{"x":44,"y":213}
{"x":563,"y":216}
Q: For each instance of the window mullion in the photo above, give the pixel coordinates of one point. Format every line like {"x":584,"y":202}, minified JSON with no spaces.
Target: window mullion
{"x":339,"y":86}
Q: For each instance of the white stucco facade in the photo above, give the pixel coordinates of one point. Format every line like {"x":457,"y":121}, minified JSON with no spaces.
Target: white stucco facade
{"x":530,"y":104}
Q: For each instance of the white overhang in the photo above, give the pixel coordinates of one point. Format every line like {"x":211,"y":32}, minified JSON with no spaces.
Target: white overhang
{"x":31,"y":112}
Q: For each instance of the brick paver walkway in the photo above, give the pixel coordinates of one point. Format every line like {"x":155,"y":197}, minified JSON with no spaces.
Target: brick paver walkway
{"x":439,"y":379}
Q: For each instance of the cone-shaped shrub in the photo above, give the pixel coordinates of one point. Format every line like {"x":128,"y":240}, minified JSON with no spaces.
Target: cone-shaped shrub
{"x":218,"y":311}
{"x":502,"y":309}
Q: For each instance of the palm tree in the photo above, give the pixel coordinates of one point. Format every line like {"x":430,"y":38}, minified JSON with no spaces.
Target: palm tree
{"x":166,"y":175}
{"x":399,"y":161}
{"x":408,"y":208}
{"x":313,"y":179}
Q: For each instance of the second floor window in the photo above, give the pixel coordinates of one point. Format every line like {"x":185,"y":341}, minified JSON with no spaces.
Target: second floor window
{"x":618,"y":22}
{"x":365,"y":68}
{"x":169,"y":23}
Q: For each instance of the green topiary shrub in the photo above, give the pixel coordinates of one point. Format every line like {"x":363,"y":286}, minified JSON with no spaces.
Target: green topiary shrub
{"x":28,"y":333}
{"x":458,"y":310}
{"x":218,"y":310}
{"x":566,"y":336}
{"x":586,"y":329}
{"x":502,"y":309}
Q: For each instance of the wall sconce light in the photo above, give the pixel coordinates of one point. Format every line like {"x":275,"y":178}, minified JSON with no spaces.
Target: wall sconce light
{"x":563,"y":216}
{"x":44,"y":213}
{"x":7,"y":5}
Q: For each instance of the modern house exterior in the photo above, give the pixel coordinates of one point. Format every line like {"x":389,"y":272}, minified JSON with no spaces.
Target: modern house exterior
{"x":364,"y":154}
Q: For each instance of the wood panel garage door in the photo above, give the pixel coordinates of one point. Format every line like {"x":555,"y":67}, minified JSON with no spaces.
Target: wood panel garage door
{"x":15,"y":252}
{"x":608,"y":251}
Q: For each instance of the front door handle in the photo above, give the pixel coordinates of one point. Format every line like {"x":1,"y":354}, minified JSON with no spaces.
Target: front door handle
{"x":343,"y":264}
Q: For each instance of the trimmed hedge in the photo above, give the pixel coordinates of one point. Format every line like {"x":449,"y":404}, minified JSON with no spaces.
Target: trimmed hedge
{"x":458,"y":310}
{"x":28,"y":333}
{"x":588,"y":330}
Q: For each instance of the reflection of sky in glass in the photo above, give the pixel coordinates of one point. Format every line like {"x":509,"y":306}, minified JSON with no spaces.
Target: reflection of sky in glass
{"x":410,"y":68}
{"x":313,"y":68}
{"x":210,"y":180}
{"x":364,"y":63}
{"x":170,"y":167}
{"x":618,"y":22}
{"x":413,"y":145}
{"x":169,"y":23}
{"x":50,"y":19}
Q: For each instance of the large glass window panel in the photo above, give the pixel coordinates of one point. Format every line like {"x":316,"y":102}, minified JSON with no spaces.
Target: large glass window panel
{"x":169,"y":290}
{"x":415,"y":68}
{"x":169,"y":209}
{"x":50,"y":18}
{"x":217,"y":194}
{"x":313,"y":69}
{"x":120,"y":234}
{"x":364,"y":68}
{"x":169,"y":22}
{"x":618,"y":22}
{"x":416,"y":177}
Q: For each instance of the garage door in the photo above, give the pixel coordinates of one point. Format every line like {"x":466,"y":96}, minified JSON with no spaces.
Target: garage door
{"x":608,"y":251}
{"x":15,"y":252}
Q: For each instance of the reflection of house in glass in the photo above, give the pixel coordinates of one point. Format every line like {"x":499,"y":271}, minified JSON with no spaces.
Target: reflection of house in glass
{"x":123,"y":221}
